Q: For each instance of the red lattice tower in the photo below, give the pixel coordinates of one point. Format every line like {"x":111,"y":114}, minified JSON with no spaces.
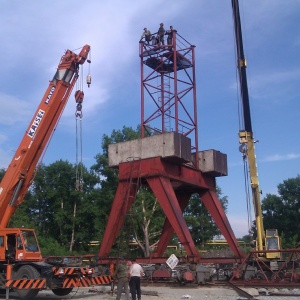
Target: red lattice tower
{"x":168,"y":88}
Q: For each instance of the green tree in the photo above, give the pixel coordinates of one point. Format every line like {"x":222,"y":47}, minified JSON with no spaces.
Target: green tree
{"x":107,"y":176}
{"x":21,"y":218}
{"x":142,"y":221}
{"x":145,"y":220}
{"x":57,"y":211}
{"x":282,"y":211}
{"x":199,"y":221}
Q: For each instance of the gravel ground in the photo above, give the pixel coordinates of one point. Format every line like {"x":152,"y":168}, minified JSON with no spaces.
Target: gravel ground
{"x":162,"y":293}
{"x":199,"y":293}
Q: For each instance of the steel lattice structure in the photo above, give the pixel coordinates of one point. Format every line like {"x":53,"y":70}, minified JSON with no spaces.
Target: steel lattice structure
{"x":168,"y":88}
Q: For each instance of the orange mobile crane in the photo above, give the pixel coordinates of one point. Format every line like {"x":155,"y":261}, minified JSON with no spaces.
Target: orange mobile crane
{"x":22,"y":267}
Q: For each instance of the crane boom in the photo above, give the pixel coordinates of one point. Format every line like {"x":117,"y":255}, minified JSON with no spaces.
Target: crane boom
{"x":23,"y":268}
{"x":20,"y":171}
{"x":246,"y":138}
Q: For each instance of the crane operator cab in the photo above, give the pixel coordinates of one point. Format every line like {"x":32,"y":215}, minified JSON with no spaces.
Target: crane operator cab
{"x":272,"y":243}
{"x":18,"y":245}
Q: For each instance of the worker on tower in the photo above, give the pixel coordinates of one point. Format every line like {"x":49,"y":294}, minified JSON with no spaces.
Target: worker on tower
{"x":147,"y":35}
{"x":169,"y":34}
{"x":154,"y":41}
{"x":160,"y":34}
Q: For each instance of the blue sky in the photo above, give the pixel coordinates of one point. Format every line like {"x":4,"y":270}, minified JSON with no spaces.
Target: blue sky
{"x":35,"y":35}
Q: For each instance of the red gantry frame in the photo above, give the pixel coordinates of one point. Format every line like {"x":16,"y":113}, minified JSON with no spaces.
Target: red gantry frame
{"x":168,"y":95}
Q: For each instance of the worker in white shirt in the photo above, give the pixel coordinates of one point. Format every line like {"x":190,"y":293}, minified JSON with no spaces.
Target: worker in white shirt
{"x":136,"y":271}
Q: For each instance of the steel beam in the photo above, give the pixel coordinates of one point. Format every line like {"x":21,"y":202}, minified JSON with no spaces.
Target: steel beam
{"x":124,"y":198}
{"x":168,"y":231}
{"x":214,"y":206}
{"x":163,"y":190}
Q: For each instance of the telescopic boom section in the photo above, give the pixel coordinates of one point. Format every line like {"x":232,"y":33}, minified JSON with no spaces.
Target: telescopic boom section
{"x":20,"y":172}
{"x":246,"y":135}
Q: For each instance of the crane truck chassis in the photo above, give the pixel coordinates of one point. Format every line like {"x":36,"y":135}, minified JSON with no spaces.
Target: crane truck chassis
{"x":22,"y":267}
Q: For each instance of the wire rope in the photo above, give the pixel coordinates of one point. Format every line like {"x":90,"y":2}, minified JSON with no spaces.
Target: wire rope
{"x":78,"y":115}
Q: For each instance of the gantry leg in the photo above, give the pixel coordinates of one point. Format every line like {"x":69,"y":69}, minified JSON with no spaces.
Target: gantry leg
{"x":124,"y":198}
{"x":168,"y":231}
{"x":214,"y":206}
{"x":163,"y":190}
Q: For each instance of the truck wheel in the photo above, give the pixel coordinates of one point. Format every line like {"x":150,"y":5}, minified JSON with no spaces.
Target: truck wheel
{"x":62,"y":292}
{"x":27,"y":272}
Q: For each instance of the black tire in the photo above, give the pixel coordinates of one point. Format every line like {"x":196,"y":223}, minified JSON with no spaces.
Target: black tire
{"x":27,"y":272}
{"x":62,"y":292}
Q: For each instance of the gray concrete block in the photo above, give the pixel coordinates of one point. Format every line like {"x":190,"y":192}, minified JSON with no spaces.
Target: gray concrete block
{"x":172,"y":145}
{"x":212,"y":162}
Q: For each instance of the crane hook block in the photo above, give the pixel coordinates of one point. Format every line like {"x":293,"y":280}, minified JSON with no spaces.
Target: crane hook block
{"x":243,"y":148}
{"x":89,"y":80}
{"x":79,"y":95}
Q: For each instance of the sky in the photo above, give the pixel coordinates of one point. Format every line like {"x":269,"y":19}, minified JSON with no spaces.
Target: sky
{"x":35,"y":34}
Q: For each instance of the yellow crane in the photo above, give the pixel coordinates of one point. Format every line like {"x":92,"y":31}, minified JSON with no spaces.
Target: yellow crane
{"x":269,"y":239}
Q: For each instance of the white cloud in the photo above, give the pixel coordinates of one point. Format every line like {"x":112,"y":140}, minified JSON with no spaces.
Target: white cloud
{"x":278,"y":157}
{"x":12,"y":109}
{"x":275,"y":77}
{"x":113,"y":37}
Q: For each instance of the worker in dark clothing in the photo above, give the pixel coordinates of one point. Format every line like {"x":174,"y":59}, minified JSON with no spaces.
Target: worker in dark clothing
{"x":154,"y":41}
{"x":169,"y":34}
{"x":161,"y":33}
{"x":121,"y":274}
